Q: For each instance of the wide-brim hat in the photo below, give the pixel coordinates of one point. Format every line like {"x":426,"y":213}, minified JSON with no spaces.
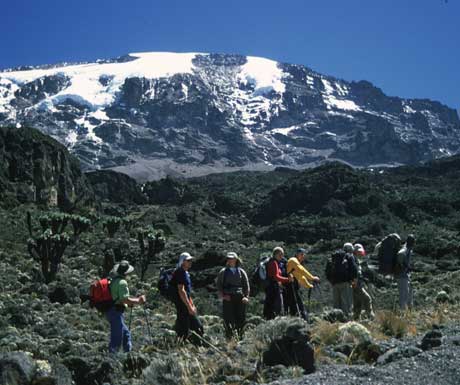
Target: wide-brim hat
{"x":122,"y":268}
{"x":233,"y":255}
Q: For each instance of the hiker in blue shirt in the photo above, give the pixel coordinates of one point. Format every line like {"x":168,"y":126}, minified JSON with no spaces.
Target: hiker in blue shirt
{"x":186,"y":311}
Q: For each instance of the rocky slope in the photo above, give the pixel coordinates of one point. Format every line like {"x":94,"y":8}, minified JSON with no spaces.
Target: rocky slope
{"x":154,"y":114}
{"x":37,"y":168}
{"x":50,"y":335}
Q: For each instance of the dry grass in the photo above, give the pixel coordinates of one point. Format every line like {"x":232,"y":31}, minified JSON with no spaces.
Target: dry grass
{"x":392,"y":324}
{"x":325,"y":333}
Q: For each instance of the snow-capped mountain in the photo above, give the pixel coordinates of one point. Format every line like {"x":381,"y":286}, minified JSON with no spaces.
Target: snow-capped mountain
{"x":153,"y":114}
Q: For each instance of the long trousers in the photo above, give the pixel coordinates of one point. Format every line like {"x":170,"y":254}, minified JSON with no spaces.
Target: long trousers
{"x":406,"y":293}
{"x":234,"y":314}
{"x":186,"y":322}
{"x":342,"y":297}
{"x":293,"y":301}
{"x":119,"y":333}
{"x":273,"y":305}
{"x":361,"y":301}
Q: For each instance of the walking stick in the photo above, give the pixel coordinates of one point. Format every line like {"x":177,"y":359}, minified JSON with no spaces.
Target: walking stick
{"x":130,"y":317}
{"x":295,"y":300}
{"x":309,"y":298}
{"x":207,"y":343}
{"x":148,"y":325}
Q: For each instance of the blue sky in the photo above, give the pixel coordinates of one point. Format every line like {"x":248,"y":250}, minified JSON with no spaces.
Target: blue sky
{"x":409,"y":48}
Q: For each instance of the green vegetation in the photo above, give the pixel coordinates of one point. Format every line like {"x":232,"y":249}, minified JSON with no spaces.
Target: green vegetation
{"x":248,"y":213}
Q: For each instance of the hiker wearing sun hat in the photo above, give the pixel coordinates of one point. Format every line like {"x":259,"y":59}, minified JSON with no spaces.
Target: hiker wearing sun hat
{"x":186,"y":311}
{"x":233,"y":286}
{"x":361,"y":298}
{"x":119,"y":332}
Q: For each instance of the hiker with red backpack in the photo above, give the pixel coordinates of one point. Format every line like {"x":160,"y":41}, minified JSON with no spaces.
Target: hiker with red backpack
{"x":361,"y":298}
{"x":233,"y":286}
{"x":187,"y":319}
{"x":119,"y":291}
{"x":273,"y":305}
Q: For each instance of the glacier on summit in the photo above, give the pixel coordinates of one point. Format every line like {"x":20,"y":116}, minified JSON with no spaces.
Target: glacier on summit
{"x":173,"y":112}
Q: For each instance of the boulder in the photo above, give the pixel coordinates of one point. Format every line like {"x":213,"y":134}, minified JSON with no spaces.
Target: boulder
{"x":51,"y":374}
{"x":292,"y":348}
{"x":398,"y":353}
{"x":16,"y":368}
{"x":431,"y":340}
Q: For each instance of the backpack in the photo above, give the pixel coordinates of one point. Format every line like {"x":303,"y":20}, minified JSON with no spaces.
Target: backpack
{"x":399,"y":265}
{"x":100,"y":296}
{"x":259,"y":275}
{"x":165,"y":285}
{"x":387,"y":253}
{"x":341,"y":267}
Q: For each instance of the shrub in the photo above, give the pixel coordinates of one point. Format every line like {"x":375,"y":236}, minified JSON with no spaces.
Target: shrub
{"x":325,"y":333}
{"x":174,"y":369}
{"x":392,"y":324}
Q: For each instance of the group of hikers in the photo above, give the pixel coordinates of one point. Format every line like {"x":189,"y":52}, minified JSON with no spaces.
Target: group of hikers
{"x":282,"y":279}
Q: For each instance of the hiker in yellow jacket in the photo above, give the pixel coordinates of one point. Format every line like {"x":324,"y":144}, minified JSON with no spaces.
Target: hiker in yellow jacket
{"x":303,"y":278}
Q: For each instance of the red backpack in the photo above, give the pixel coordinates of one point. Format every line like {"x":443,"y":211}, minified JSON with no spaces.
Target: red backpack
{"x":100,"y":296}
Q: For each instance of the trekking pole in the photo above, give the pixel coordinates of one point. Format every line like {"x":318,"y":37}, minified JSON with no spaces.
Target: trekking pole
{"x":148,"y":325}
{"x":295,"y":300}
{"x":130,"y":317}
{"x":208,"y":343}
{"x":310,"y":290}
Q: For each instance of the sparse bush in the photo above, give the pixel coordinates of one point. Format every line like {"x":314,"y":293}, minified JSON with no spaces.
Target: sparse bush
{"x":392,"y":324}
{"x":151,"y":243}
{"x":80,"y":224}
{"x":355,"y":333}
{"x":49,"y":246}
{"x":175,"y":369}
{"x":112,"y":225}
{"x":325,"y":333}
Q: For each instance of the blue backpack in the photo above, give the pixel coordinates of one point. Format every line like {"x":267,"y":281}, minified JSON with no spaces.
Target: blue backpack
{"x":166,"y":286}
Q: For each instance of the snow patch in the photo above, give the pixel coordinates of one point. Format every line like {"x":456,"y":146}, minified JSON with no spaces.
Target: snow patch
{"x":82,"y":122}
{"x":263,"y":74}
{"x":7,"y":90}
{"x":332,"y":101}
{"x":85,"y":86}
{"x":445,"y":151}
{"x":284,"y":131}
{"x":99,"y":115}
{"x":408,"y":109}
{"x":71,"y":138}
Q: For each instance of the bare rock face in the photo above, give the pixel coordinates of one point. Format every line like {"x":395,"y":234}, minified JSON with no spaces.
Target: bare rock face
{"x":156,"y":114}
{"x":37,"y":168}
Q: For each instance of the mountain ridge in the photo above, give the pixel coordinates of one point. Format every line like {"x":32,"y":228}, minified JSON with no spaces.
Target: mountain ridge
{"x":148,"y":111}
